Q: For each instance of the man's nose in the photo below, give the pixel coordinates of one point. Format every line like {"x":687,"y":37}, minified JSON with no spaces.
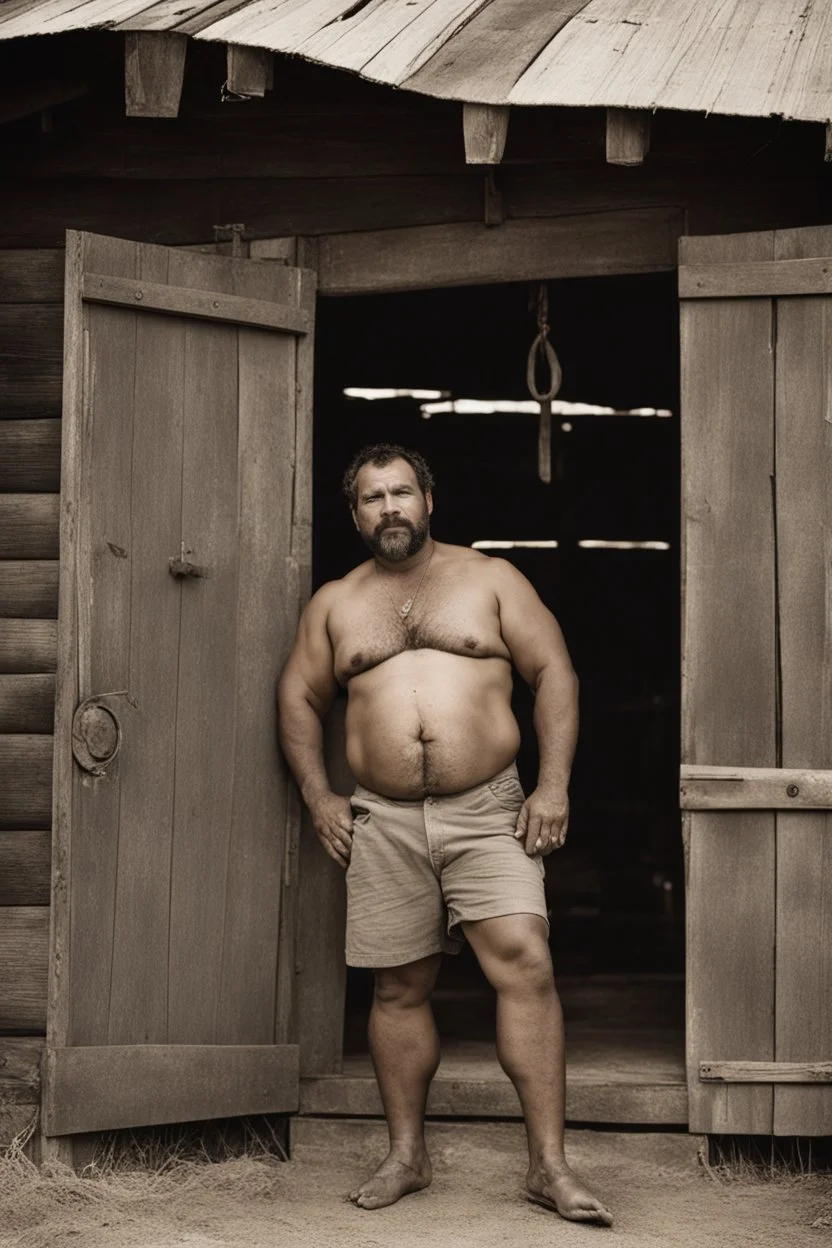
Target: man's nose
{"x":390,"y":507}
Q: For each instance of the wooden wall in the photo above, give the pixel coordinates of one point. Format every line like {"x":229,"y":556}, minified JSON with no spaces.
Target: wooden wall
{"x":324,"y":152}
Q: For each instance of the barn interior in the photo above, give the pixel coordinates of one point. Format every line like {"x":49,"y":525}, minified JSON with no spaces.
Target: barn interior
{"x":616,"y":890}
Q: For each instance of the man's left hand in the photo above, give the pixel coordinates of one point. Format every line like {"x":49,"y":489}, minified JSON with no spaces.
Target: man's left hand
{"x":543,"y":820}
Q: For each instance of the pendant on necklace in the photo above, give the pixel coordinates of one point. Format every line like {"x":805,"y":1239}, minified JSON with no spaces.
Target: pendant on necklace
{"x":405,"y":609}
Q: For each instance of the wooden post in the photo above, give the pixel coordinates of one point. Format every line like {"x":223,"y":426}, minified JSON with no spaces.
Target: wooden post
{"x":154,"y":68}
{"x":485,"y":127}
{"x":250,"y":71}
{"x":828,"y":152}
{"x":628,"y":136}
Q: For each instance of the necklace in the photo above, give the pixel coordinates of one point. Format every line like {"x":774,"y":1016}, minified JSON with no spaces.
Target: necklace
{"x":406,"y":607}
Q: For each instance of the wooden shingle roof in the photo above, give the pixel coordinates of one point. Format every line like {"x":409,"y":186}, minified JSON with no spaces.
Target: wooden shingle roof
{"x":748,"y":57}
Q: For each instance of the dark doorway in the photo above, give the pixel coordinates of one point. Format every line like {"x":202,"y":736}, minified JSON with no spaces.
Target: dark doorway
{"x":616,"y":890}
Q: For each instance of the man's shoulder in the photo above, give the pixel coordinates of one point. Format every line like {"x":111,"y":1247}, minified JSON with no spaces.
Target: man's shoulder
{"x":332,"y":592}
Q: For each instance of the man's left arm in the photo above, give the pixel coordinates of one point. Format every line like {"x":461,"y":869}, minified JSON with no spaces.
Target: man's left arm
{"x":538,"y":648}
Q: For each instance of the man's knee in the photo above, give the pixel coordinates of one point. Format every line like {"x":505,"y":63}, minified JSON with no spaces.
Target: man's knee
{"x":406,"y":986}
{"x":516,"y":957}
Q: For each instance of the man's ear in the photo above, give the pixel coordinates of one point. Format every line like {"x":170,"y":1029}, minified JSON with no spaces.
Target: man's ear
{"x":354,"y":517}
{"x":429,"y":501}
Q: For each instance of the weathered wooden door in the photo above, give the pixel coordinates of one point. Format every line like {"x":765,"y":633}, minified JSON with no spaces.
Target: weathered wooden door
{"x":757,"y":678}
{"x":184,"y":556}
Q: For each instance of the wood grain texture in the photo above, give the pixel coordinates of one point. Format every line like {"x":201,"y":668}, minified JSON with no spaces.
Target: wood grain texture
{"x":35,"y":276}
{"x":30,"y":455}
{"x":29,"y":526}
{"x":729,"y":688}
{"x":457,"y":255}
{"x":175,"y":854}
{"x":29,"y":588}
{"x":810,"y":276}
{"x":25,"y":858}
{"x":201,"y":304}
{"x":30,"y":359}
{"x":322,"y":924}
{"x":24,"y":944}
{"x":27,"y":702}
{"x":154,"y":70}
{"x":28,"y":645}
{"x":25,"y":780}
{"x":628,"y":136}
{"x":90,"y":1088}
{"x":484,"y":130}
{"x":803,"y":1022}
{"x":250,"y":71}
{"x":20,"y":1058}
{"x":766,"y":1072}
{"x":744,"y":788}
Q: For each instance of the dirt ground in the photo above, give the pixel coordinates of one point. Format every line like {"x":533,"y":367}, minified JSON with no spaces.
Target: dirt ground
{"x":659,"y":1192}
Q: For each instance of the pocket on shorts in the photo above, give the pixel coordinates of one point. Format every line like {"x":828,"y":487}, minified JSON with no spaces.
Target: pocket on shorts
{"x":508,"y":792}
{"x":360,"y":814}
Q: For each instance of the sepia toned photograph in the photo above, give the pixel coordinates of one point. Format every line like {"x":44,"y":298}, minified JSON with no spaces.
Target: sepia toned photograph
{"x":415,"y":623}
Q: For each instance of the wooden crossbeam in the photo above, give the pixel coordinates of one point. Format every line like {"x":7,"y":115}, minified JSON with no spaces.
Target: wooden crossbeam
{"x":748,"y":788}
{"x":249,"y":71}
{"x":628,"y":136}
{"x":154,"y":69}
{"x":485,"y":129}
{"x":765,"y":1072}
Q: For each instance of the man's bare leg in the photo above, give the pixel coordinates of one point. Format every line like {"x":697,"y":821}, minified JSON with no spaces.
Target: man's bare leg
{"x":404,"y":1045}
{"x":513,"y":952}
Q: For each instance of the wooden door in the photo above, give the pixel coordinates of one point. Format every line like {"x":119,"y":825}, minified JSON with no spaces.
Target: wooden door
{"x":184,"y":557}
{"x":757,"y":678}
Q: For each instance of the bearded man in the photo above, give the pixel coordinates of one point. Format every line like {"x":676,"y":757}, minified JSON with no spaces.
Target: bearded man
{"x":438,"y":840}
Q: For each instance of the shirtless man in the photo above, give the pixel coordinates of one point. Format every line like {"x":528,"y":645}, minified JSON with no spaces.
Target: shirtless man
{"x":438,"y":835}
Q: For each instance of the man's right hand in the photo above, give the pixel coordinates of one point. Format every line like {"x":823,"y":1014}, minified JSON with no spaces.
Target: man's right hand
{"x":332,"y":821}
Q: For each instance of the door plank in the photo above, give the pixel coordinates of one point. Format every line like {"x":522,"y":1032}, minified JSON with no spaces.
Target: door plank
{"x":149,"y":642}
{"x":206,"y":730}
{"x":93,"y":1088}
{"x":767,"y":1072}
{"x":728,"y":681}
{"x":265,"y":455}
{"x":803,"y":1022}
{"x":756,"y":277}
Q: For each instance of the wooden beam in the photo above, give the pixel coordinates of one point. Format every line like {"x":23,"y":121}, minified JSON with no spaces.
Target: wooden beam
{"x":205,"y":304}
{"x":249,"y":71}
{"x":154,"y":69}
{"x":748,"y":788}
{"x":768,"y":278}
{"x":595,"y":244}
{"x":766,"y":1072}
{"x":102,"y":1088}
{"x":827,"y":155}
{"x":33,"y":97}
{"x":485,"y":128}
{"x":628,"y":136}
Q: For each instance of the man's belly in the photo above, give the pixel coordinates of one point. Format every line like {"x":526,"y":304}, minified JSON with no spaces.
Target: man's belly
{"x":430,"y":722}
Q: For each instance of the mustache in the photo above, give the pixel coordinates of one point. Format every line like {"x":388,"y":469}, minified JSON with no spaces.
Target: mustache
{"x":394,"y":524}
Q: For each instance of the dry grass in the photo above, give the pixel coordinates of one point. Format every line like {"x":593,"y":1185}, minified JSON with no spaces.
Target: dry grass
{"x":155,"y":1179}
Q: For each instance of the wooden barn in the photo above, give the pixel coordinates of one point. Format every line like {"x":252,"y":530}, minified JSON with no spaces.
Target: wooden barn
{"x":231,"y":233}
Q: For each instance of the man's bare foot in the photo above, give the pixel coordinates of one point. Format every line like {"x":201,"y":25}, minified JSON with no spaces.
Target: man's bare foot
{"x":560,"y":1189}
{"x":391,"y":1181}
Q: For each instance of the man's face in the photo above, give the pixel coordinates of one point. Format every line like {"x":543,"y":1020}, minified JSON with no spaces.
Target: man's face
{"x":391,"y":512}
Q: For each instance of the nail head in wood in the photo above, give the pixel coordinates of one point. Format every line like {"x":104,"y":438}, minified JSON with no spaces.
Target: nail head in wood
{"x":485,"y":129}
{"x":628,"y":136}
{"x":154,"y":70}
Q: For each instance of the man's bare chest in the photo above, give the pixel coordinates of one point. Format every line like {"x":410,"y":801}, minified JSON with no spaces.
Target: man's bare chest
{"x":371,"y":629}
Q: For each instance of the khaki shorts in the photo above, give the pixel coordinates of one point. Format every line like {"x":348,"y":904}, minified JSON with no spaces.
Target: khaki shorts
{"x":418,"y":869}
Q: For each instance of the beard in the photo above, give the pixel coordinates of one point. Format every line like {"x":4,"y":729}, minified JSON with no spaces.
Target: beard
{"x":397,"y":546}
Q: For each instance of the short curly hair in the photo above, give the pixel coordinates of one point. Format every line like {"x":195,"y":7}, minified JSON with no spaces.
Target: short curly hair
{"x":383,"y":453}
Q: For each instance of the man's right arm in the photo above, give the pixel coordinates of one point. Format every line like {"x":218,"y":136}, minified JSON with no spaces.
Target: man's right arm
{"x":305,"y":692}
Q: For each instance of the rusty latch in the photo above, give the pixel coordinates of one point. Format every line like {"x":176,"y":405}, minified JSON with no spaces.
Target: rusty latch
{"x":180,"y":566}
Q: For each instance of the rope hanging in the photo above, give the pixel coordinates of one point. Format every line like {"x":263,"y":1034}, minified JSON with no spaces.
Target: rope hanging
{"x":542,"y":349}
